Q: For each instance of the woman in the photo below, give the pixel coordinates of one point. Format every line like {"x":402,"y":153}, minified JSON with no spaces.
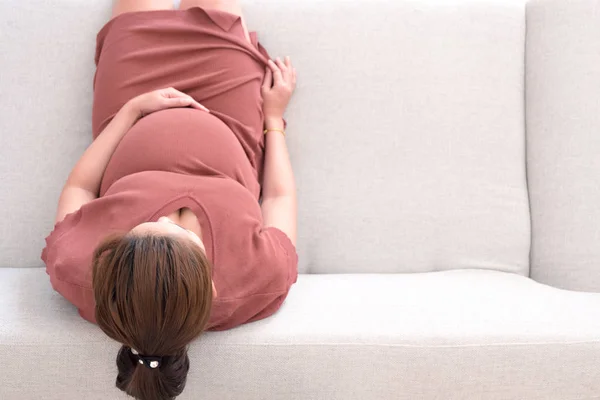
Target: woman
{"x":159,"y":232}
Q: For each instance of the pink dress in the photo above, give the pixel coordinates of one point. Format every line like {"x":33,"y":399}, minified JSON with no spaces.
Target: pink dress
{"x":210,"y":163}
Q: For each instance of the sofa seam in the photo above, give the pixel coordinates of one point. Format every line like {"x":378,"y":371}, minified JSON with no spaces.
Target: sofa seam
{"x":396,"y":345}
{"x":526,"y":136}
{"x":355,"y":344}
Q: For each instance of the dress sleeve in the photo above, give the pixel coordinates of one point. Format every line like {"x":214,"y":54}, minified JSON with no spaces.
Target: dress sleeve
{"x":49,"y":253}
{"x":256,"y":287}
{"x":67,"y":266}
{"x":290,"y":257}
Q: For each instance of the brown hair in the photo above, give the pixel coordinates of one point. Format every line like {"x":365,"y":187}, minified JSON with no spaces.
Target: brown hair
{"x":153,"y":294}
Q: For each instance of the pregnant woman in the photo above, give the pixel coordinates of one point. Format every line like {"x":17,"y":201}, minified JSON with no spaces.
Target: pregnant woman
{"x":180,"y":217}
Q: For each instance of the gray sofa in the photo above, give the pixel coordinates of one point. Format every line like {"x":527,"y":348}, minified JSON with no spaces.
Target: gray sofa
{"x":447,"y":155}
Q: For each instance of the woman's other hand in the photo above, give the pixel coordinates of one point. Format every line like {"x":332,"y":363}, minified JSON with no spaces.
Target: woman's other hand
{"x":277,"y":89}
{"x":160,"y":100}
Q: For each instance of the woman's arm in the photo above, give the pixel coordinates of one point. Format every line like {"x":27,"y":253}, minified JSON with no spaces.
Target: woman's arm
{"x":83,"y":184}
{"x":279,"y":208}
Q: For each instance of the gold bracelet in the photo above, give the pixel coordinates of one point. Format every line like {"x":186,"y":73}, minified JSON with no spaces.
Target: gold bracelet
{"x":275,"y":130}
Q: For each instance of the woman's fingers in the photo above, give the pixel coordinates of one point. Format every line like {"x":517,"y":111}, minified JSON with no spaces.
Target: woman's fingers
{"x":290,"y":71}
{"x":176,"y":97}
{"x":190,"y":102}
{"x":172,"y":92}
{"x":268,"y":81}
{"x":285,"y":71}
{"x":277,"y":74}
{"x":184,"y":101}
{"x":281,"y":64}
{"x":199,"y":106}
{"x":178,"y":102}
{"x":194,"y":104}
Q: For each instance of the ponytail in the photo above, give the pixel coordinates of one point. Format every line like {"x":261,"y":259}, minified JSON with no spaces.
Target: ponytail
{"x":165,"y":382}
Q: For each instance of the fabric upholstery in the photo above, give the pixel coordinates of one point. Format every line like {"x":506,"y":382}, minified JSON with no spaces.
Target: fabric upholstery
{"x":563,"y":141}
{"x":406,"y":133}
{"x":46,"y":77}
{"x":408,"y":140}
{"x":462,"y":334}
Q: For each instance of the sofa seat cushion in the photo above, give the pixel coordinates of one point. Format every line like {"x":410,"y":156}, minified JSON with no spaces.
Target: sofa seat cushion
{"x":463,"y":334}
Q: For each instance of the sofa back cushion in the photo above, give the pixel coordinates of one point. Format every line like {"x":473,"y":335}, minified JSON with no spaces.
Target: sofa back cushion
{"x":46,"y":72}
{"x":406,"y":131}
{"x":563,"y":141}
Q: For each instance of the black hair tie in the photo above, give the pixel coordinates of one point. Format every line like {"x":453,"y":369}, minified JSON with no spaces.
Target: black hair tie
{"x":148,"y":361}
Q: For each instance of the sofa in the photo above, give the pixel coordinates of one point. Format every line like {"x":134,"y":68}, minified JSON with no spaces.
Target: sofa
{"x":447,"y":156}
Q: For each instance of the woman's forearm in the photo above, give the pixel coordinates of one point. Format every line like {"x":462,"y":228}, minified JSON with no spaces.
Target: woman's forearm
{"x":279,"y":207}
{"x":87,"y":173}
{"x":278,"y":176}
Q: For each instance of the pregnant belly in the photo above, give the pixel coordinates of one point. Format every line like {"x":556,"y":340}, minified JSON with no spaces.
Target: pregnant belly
{"x":184,"y":141}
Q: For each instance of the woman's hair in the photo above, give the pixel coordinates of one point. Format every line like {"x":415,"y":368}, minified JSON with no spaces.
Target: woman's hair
{"x":154,"y":295}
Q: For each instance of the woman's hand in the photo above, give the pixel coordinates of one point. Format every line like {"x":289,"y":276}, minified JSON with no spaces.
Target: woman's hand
{"x":160,"y":100}
{"x":277,"y":89}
